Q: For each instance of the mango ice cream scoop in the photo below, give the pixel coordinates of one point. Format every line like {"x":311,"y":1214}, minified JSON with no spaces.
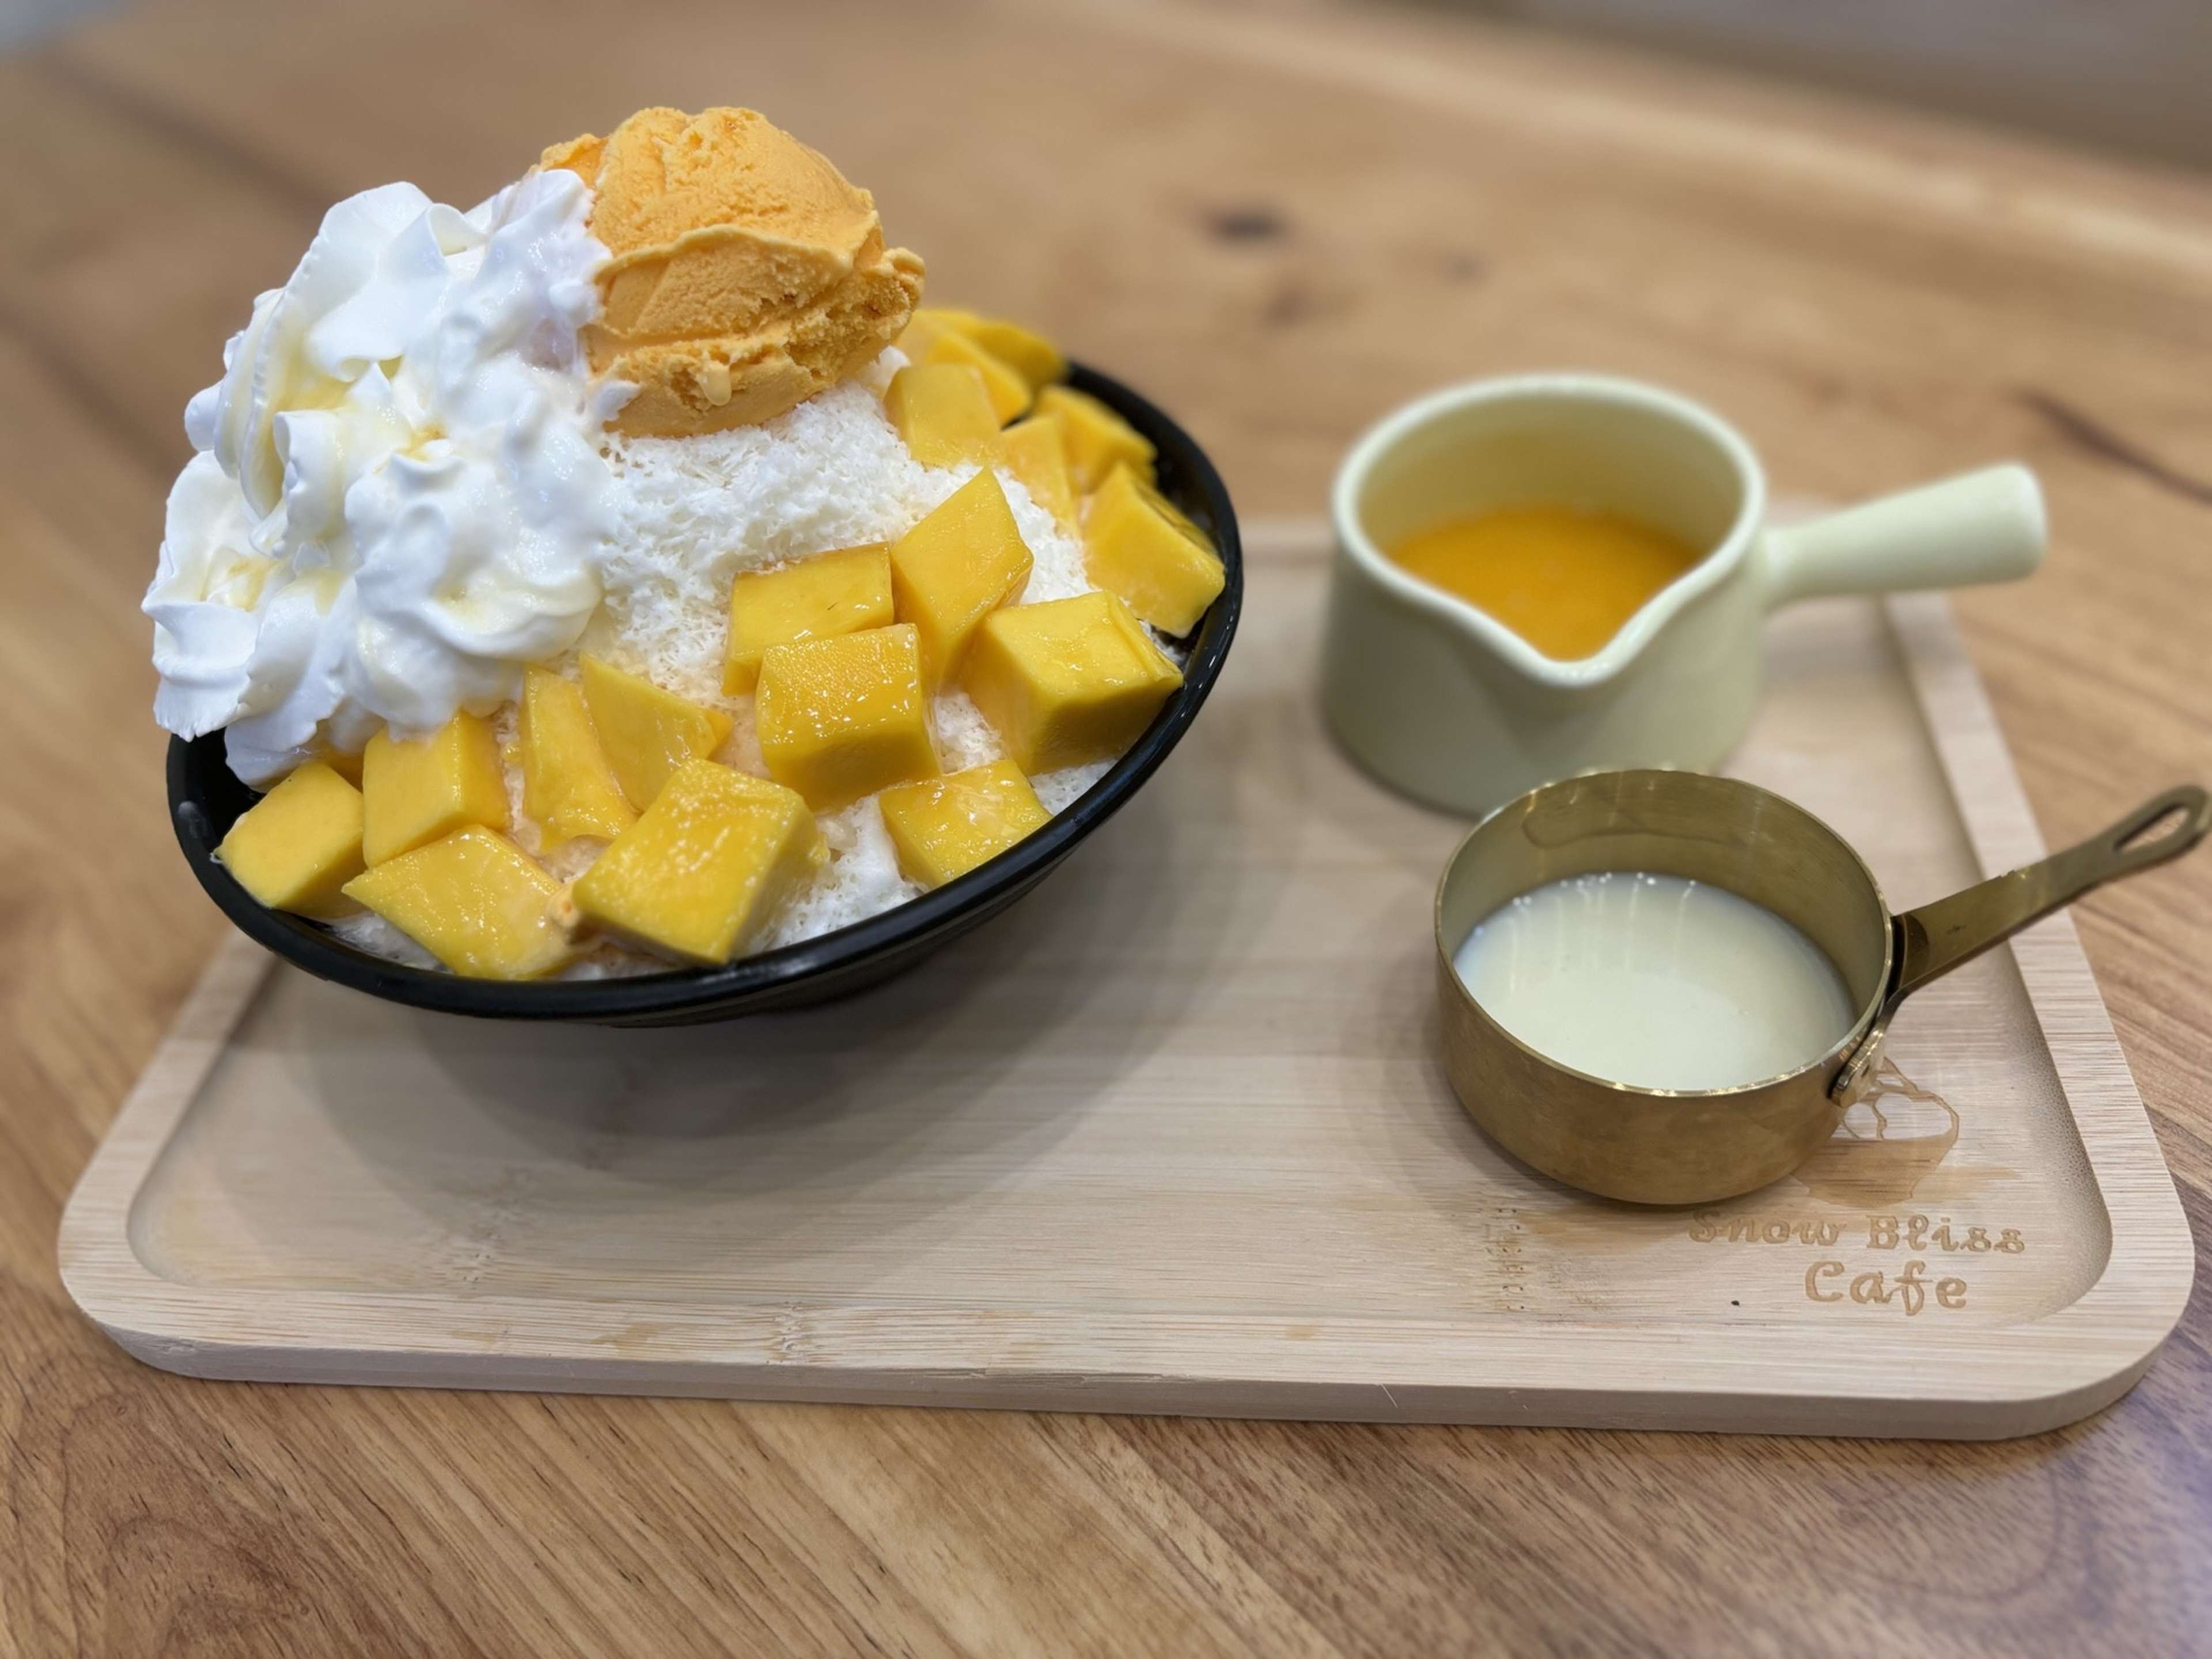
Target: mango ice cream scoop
{"x":747,"y":273}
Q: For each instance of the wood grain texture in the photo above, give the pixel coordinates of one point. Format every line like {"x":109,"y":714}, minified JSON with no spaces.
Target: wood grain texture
{"x":1279,"y":219}
{"x":1177,"y":1138}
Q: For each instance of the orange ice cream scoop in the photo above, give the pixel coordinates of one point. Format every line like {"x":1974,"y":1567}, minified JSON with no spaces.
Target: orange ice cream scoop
{"x":747,"y":274}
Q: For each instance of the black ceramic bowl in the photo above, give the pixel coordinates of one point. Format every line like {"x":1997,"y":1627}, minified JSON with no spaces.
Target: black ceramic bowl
{"x":204,"y":798}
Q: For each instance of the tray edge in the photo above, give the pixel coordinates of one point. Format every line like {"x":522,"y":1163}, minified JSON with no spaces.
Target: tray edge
{"x":2132,"y":1306}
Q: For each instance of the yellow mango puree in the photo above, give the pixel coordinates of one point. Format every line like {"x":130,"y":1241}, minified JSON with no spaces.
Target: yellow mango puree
{"x":1563,"y":580}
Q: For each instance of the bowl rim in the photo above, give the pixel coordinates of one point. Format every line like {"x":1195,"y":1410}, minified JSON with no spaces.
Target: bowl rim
{"x":679,"y":991}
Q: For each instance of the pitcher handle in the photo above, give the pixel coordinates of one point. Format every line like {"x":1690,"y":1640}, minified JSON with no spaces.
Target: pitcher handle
{"x":1985,"y":526}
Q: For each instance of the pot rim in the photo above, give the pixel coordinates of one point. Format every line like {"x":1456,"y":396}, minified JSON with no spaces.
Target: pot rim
{"x":1829,"y":1061}
{"x":1726,"y":558}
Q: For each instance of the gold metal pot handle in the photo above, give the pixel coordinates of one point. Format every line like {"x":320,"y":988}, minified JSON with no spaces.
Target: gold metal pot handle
{"x":1931,"y":941}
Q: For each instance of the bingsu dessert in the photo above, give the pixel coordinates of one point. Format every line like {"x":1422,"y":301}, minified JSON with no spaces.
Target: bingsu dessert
{"x":629,"y":573}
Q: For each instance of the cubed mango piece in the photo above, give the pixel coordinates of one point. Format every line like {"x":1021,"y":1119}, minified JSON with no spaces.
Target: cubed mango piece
{"x":1036,"y":359}
{"x":927,"y":326}
{"x":475,"y":901}
{"x":830,"y":593}
{"x":940,"y":317}
{"x":647,"y":733}
{"x":943,"y":412}
{"x":707,"y":868}
{"x":843,"y":717}
{"x":419,"y":790}
{"x":1032,"y":356}
{"x":960,"y":563}
{"x":1136,"y":544}
{"x":1008,"y":390}
{"x":296,"y":847}
{"x":930,"y":339}
{"x":943,"y":828}
{"x":347,"y":766}
{"x":569,"y":786}
{"x":1098,"y":440}
{"x":1035,"y":452}
{"x":1068,"y":681}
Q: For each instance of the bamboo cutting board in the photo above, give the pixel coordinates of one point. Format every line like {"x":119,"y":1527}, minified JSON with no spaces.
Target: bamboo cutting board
{"x":1172,"y":1136}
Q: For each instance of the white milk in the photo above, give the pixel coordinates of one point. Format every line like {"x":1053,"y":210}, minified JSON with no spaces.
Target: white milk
{"x":1656,"y":981}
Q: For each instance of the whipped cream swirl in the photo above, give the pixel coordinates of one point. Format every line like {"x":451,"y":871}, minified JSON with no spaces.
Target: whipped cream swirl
{"x":399,"y":497}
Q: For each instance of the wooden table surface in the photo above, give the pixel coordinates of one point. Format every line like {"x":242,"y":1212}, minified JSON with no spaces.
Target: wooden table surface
{"x":1279,"y":219}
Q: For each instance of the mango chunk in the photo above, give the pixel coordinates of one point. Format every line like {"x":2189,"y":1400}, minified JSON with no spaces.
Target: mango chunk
{"x":1035,"y":452}
{"x":706,"y":867}
{"x":1032,"y":356}
{"x":943,"y":412}
{"x":1136,"y":544}
{"x":830,"y":593}
{"x":296,"y":847}
{"x":347,"y":766}
{"x":959,"y":564}
{"x":1098,"y":440}
{"x":927,"y":326}
{"x":419,"y":791}
{"x":647,"y":733}
{"x":842,"y":718}
{"x":939,"y":316}
{"x":1008,"y":390}
{"x":930,"y":339}
{"x":569,"y":789}
{"x":1028,"y":353}
{"x":1068,"y":681}
{"x":475,"y":901}
{"x":945,"y":827}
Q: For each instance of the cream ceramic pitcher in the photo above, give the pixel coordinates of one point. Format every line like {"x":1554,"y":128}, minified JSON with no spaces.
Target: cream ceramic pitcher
{"x":1448,"y":705}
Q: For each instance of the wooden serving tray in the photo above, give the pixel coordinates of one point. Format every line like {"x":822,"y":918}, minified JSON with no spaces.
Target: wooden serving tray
{"x":1172,"y":1136}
